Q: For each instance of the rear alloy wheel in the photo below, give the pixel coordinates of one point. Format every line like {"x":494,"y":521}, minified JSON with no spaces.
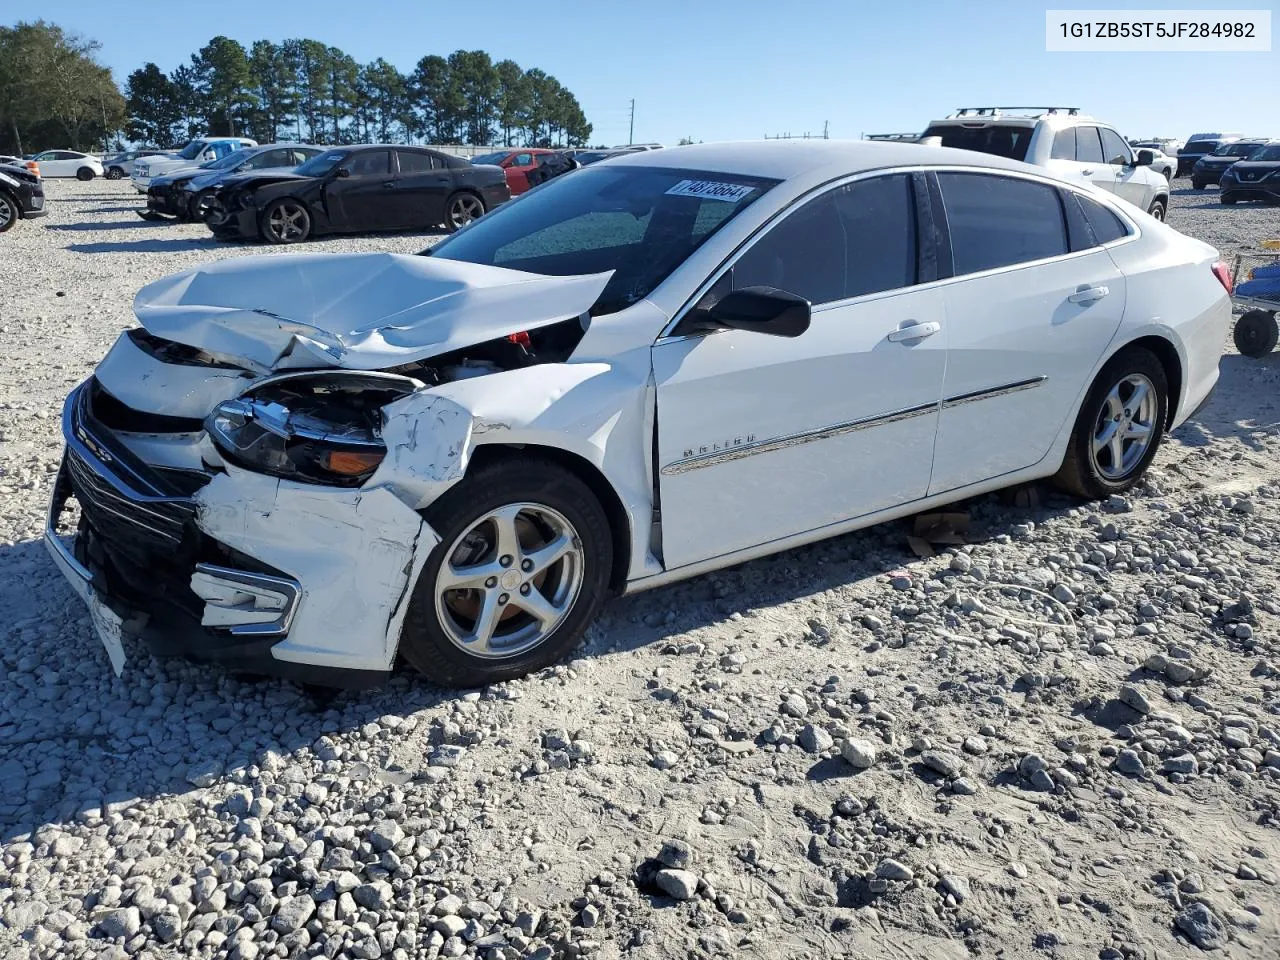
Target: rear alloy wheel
{"x":462,"y":209}
{"x":286,"y":221}
{"x":8,"y":212}
{"x":520,"y":572}
{"x":115,"y":173}
{"x":1157,"y":210}
{"x":85,"y":174}
{"x":1119,"y":428}
{"x":1255,"y":333}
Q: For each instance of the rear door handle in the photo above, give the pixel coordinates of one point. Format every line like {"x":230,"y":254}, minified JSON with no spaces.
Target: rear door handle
{"x":914,"y":331}
{"x":1088,"y":294}
{"x":1088,"y":173}
{"x":389,"y":185}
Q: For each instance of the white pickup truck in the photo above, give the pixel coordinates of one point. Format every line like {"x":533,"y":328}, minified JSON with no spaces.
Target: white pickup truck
{"x":189,"y":157}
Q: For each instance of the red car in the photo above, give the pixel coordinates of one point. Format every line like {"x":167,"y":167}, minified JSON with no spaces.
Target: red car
{"x":516,"y":164}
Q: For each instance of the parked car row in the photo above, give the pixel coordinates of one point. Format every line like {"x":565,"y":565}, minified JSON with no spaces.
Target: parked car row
{"x":187,"y":192}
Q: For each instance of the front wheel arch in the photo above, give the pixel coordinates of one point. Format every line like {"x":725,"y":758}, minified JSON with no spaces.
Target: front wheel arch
{"x":619,"y":521}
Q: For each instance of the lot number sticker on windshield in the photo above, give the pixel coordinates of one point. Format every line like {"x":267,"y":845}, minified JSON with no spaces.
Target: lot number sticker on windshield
{"x":710,"y":190}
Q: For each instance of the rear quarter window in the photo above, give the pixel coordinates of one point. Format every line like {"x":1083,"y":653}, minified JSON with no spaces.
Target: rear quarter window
{"x":995,"y":139}
{"x":999,"y":221}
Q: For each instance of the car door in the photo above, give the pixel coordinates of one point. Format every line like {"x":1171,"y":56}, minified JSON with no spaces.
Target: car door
{"x":363,"y":199}
{"x":517,"y":167}
{"x":423,"y":187}
{"x":57,"y":163}
{"x":1029,"y":310}
{"x":760,"y":437}
{"x":1131,"y":183}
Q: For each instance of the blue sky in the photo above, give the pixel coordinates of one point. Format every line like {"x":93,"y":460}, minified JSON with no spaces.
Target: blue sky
{"x":717,"y":70}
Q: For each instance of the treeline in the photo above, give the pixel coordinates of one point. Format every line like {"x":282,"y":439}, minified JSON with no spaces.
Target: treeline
{"x":305,"y":90}
{"x":53,"y":92}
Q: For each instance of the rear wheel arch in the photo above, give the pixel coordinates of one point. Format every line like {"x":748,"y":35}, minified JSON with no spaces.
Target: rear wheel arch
{"x":1167,"y":354}
{"x":620,"y":526}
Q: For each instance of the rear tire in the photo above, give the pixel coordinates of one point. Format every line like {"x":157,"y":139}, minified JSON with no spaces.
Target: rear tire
{"x":115,"y":173}
{"x":1157,"y":210}
{"x":8,"y":212}
{"x":1256,"y":333}
{"x":1197,"y":185}
{"x":1098,"y":463}
{"x":461,"y":209}
{"x":85,"y":174}
{"x":544,"y":503}
{"x":1229,"y":199}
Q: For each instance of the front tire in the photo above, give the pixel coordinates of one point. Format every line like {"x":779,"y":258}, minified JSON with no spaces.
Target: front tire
{"x":115,"y":173}
{"x":1256,"y":333}
{"x":1119,"y":427}
{"x":520,"y":572}
{"x":461,"y":209}
{"x":1229,"y":199}
{"x":8,"y":212}
{"x":85,"y":174}
{"x":199,"y":205}
{"x":285,"y":221}
{"x":1157,"y":210}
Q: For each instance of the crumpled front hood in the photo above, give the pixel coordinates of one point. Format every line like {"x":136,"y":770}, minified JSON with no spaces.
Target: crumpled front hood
{"x":360,"y":311}
{"x":216,"y":177}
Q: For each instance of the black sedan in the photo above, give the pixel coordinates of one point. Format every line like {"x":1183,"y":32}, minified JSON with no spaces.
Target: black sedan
{"x":186,"y":193}
{"x":21,"y":195}
{"x":1210,"y":168}
{"x":1257,"y":177}
{"x":356,"y":190}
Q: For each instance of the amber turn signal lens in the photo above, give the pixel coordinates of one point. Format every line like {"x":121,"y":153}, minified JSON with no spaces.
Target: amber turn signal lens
{"x":350,"y":464}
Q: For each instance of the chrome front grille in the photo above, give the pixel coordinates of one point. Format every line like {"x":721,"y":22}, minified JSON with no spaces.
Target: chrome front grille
{"x":106,"y":507}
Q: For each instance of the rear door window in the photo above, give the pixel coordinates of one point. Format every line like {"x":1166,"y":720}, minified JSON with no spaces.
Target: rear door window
{"x":1088,"y":146}
{"x":997,"y":221}
{"x":1064,"y":145}
{"x":1114,"y":149}
{"x":413,"y":163}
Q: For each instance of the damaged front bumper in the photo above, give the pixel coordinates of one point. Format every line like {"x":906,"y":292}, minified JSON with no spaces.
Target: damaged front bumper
{"x":263,"y":575}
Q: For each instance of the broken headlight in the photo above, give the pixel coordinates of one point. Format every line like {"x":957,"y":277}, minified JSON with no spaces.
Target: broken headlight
{"x":310,"y":427}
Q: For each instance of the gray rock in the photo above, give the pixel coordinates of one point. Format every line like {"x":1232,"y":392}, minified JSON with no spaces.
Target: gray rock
{"x":974,"y":745}
{"x":956,"y":885}
{"x":450,"y":926}
{"x":166,"y":926}
{"x":1201,"y":926}
{"x":794,"y":705}
{"x":814,"y":739}
{"x":674,"y":854}
{"x":964,"y":786}
{"x":374,"y":896}
{"x":1042,"y":780}
{"x":293,"y":913}
{"x":891,"y":869}
{"x":939,"y":761}
{"x":859,"y":753}
{"x":123,"y":923}
{"x":385,"y":835}
{"x":1128,"y":762}
{"x":1135,"y":698}
{"x":680,"y":884}
{"x":1184,"y":763}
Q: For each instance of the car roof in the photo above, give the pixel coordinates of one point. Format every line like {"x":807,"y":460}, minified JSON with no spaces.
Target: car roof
{"x":786,"y":159}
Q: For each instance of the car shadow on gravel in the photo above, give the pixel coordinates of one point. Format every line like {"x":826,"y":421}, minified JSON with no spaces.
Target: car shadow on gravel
{"x":1240,"y":408}
{"x":136,"y":223}
{"x":144,"y":246}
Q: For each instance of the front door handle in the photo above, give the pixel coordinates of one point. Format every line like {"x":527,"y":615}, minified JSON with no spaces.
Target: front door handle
{"x":1088,"y":294}
{"x":1088,"y":173}
{"x":389,"y":185}
{"x":912,"y":330}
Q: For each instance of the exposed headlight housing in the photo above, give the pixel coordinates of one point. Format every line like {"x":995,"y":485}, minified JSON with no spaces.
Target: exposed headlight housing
{"x":323,"y":428}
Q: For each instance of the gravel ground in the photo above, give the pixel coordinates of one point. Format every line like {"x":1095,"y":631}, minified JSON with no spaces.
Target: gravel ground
{"x":1061,"y":740}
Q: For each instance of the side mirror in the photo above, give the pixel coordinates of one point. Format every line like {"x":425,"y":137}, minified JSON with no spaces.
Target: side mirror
{"x":1145,"y":158}
{"x":760,"y":310}
{"x":342,"y":172}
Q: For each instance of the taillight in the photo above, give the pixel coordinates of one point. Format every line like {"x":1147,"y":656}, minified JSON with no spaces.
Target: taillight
{"x":1223,"y":273}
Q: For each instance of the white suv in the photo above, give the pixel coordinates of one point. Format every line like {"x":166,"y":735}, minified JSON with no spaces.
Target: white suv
{"x":1071,"y":144}
{"x":145,"y":169}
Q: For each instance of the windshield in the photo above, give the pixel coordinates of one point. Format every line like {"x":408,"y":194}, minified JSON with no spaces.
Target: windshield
{"x":225,"y":163}
{"x":1271,"y":152}
{"x":322,"y":164}
{"x":639,"y":222}
{"x":192,"y":150}
{"x":998,"y":140}
{"x":493,"y":158}
{"x":1235,"y":149}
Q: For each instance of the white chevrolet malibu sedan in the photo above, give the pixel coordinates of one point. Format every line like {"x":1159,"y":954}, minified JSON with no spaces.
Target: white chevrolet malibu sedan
{"x":660,"y":365}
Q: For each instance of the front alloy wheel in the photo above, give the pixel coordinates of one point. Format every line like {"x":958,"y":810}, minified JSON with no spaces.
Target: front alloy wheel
{"x":286,"y":221}
{"x":521,"y":569}
{"x":463,"y":208}
{"x":8,"y":213}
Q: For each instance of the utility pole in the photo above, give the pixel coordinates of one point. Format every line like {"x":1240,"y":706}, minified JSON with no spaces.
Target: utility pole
{"x":631,"y":136}
{"x":825,"y":125}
